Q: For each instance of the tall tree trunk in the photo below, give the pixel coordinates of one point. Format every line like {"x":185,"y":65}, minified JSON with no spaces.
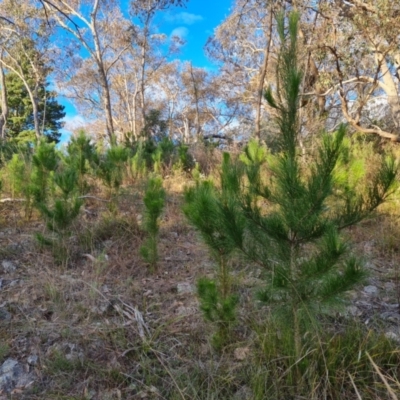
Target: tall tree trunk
{"x":106,"y":98}
{"x":263,"y":73}
{"x":142,"y":83}
{"x":186,"y":130}
{"x":196,"y":99}
{"x":134,"y":116}
{"x":107,"y":105}
{"x":4,"y":104}
{"x":391,"y":90}
{"x":35,"y":106}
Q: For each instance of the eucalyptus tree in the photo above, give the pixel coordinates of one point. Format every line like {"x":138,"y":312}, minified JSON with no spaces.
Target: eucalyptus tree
{"x":105,"y":35}
{"x":360,"y":62}
{"x":349,"y":53}
{"x":136,"y":74}
{"x":190,"y":98}
{"x":243,"y":45}
{"x":26,"y":49}
{"x":95,"y":26}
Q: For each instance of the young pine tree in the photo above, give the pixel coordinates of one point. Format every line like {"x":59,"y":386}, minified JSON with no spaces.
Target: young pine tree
{"x":110,"y":168}
{"x":291,"y":225}
{"x":44,"y":162}
{"x":154,"y":200}
{"x":205,"y":207}
{"x":80,"y":154}
{"x":60,"y":212}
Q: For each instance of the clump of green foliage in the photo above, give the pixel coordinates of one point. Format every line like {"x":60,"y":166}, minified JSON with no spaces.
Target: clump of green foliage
{"x":81,"y":153}
{"x":139,"y":162}
{"x":184,"y":161}
{"x":44,"y":162}
{"x":205,"y":207}
{"x":289,"y":222}
{"x":16,"y":173}
{"x":111,"y":168}
{"x":154,"y":201}
{"x":61,"y":212}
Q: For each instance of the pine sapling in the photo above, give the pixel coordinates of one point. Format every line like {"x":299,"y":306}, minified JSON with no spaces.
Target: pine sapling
{"x":44,"y":163}
{"x":61,"y":213}
{"x":154,"y":201}
{"x":289,"y":222}
{"x":111,"y":167}
{"x":18,"y":176}
{"x":80,"y":155}
{"x":138,"y":162}
{"x":16,"y":171}
{"x":204,"y":207}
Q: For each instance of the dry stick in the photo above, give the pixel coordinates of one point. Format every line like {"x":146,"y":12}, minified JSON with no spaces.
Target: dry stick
{"x":93,"y":197}
{"x":354,"y":386}
{"x":11,"y":199}
{"x":389,"y":389}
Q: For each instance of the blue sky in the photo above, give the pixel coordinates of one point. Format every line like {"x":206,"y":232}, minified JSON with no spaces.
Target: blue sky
{"x":195,"y":23}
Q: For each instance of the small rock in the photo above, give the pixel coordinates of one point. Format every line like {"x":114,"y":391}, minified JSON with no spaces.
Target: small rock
{"x":183,"y":311}
{"x":352,"y":311}
{"x":184,"y":288}
{"x":393,"y":306}
{"x":244,"y":393}
{"x":365,"y":304}
{"x":370,"y":265}
{"x":391,"y":316}
{"x":390,"y":285}
{"x":241,"y":353}
{"x":8,"y":266}
{"x":392,"y":336}
{"x":108,"y":244}
{"x":371,"y":290}
{"x":105,"y":289}
{"x":174,"y":234}
{"x":4,"y":315}
{"x":352,"y":294}
{"x":32,"y":359}
{"x":14,"y":376}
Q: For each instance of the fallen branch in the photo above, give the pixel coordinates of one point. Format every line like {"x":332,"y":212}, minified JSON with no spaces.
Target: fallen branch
{"x":93,"y":197}
{"x":11,"y":200}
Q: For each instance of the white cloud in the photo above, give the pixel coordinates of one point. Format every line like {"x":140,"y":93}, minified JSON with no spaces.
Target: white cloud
{"x":73,"y":122}
{"x":180,"y":32}
{"x":183,"y":18}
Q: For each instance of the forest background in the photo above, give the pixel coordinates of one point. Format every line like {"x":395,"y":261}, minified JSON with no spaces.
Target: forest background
{"x":113,"y":62}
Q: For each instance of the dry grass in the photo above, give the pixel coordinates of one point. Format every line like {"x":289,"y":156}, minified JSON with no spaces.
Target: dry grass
{"x":106,"y":328}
